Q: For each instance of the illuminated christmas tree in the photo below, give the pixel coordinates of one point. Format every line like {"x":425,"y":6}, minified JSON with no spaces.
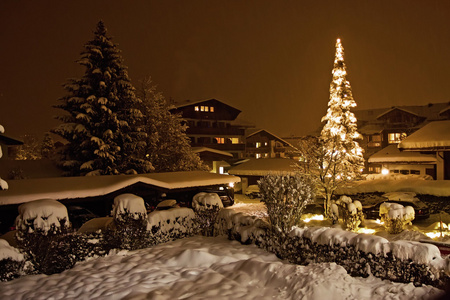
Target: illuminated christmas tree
{"x":342,"y":155}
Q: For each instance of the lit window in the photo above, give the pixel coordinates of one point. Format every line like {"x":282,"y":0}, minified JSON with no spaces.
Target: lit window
{"x":395,"y":138}
{"x":220,"y":140}
{"x":258,"y":145}
{"x":196,"y":108}
{"x":220,"y":170}
{"x":206,"y":108}
{"x":211,"y":108}
{"x":258,"y":155}
{"x":265,"y":144}
{"x":235,"y":140}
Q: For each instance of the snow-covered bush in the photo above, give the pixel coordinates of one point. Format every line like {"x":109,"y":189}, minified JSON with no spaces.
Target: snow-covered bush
{"x":42,"y":232}
{"x":206,"y":207}
{"x":395,"y":216}
{"x":11,"y":261}
{"x":350,"y":211}
{"x":285,"y":197}
{"x":170,"y":224}
{"x":129,"y":227}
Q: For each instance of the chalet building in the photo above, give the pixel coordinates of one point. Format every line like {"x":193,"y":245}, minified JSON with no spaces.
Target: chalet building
{"x":262,"y":144}
{"x":389,"y":126}
{"x":212,"y":124}
{"x":432,"y":139}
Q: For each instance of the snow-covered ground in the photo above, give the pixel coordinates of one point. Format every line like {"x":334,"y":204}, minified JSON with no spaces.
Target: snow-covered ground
{"x":205,"y":268}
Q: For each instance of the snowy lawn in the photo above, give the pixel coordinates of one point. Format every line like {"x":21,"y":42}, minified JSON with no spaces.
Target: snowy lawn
{"x":205,"y":268}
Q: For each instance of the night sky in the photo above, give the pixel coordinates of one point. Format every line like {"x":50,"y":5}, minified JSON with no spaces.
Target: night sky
{"x":270,"y":59}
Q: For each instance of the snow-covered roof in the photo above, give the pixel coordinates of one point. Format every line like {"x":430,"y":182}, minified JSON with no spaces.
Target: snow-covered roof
{"x":392,"y":154}
{"x":371,"y":129}
{"x":189,"y":102}
{"x":264,"y":166}
{"x":59,"y":188}
{"x":433,"y":136}
{"x":206,"y":149}
{"x":397,"y":108}
{"x":256,"y":131}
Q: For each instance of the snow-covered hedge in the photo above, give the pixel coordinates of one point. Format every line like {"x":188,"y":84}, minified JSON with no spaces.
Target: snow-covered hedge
{"x":206,"y":207}
{"x":359,"y":254}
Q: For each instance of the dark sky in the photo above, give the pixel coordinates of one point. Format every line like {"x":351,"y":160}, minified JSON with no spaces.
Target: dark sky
{"x":270,"y":59}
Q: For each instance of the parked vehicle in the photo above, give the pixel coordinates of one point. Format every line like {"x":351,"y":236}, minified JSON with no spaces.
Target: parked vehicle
{"x":79,"y":215}
{"x":421,"y":210}
{"x":252,"y":192}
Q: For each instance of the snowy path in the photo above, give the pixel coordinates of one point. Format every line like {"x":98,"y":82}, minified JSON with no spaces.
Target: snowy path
{"x":205,"y":268}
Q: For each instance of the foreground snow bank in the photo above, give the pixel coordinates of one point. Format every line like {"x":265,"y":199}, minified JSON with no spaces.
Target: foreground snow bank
{"x":205,"y":268}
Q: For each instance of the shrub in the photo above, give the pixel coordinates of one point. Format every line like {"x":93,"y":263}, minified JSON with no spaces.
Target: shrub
{"x":351,"y":212}
{"x":285,"y":197}
{"x":206,"y":207}
{"x":129,"y":226}
{"x":395,"y":216}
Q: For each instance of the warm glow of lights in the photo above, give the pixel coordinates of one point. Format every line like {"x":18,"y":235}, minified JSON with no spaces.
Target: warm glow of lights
{"x":314,"y":217}
{"x":384,"y":171}
{"x":378,"y":221}
{"x":231,"y":184}
{"x":366,"y":230}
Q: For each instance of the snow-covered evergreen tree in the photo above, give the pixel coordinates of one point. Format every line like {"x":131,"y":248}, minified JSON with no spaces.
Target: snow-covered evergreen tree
{"x":103,"y":124}
{"x":3,"y":184}
{"x":335,"y":156}
{"x":47,"y":146}
{"x":168,"y":147}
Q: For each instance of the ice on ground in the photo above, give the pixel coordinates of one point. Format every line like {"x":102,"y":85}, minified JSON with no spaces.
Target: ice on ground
{"x":41,"y":214}
{"x":7,"y":251}
{"x":129,"y":204}
{"x":206,"y":268}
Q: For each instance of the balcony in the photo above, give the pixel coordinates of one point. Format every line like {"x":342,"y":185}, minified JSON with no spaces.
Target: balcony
{"x":215,"y":131}
{"x":223,"y":147}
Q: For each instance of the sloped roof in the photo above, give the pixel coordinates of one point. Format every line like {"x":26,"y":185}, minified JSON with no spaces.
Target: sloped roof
{"x":433,"y":136}
{"x":397,"y":108}
{"x":371,"y":129}
{"x":264,"y":166}
{"x":256,"y":131}
{"x":211,"y":150}
{"x":189,"y":102}
{"x":392,"y":154}
{"x":430,"y":111}
{"x":6,"y":140}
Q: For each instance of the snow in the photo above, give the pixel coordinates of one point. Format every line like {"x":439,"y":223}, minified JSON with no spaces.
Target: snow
{"x":418,"y":186}
{"x":26,"y":190}
{"x":434,"y":135}
{"x":179,"y":218}
{"x":264,"y":166}
{"x":397,"y":211}
{"x":205,"y":268}
{"x":206,"y":200}
{"x":129,"y":203}
{"x":392,"y":154}
{"x":43,"y":214}
{"x":7,"y":251}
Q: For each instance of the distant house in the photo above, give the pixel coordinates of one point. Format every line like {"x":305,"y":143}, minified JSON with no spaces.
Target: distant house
{"x":432,"y":139}
{"x":262,"y":144}
{"x":6,"y":143}
{"x":212,"y":124}
{"x":393,"y":160}
{"x":388,"y":126}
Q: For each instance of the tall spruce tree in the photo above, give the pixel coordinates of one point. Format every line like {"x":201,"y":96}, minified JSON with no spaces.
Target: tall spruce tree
{"x":335,"y":156}
{"x":103,"y":124}
{"x":343,"y":157}
{"x":168,"y":148}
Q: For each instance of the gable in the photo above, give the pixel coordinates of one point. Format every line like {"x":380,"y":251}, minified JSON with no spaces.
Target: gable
{"x":398,"y":115}
{"x":207,"y":109}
